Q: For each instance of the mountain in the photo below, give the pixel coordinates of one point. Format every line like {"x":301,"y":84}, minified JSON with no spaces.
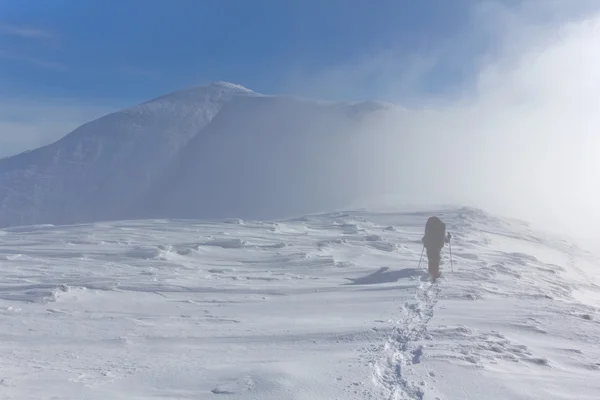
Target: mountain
{"x":211,"y":151}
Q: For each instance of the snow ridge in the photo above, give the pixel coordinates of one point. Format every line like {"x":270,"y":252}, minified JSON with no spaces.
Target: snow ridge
{"x":401,"y":350}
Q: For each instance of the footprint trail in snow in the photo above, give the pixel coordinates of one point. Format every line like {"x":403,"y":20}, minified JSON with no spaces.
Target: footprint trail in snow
{"x":403,"y":348}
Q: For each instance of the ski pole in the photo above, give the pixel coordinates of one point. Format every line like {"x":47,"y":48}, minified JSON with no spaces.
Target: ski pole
{"x":451,"y":261}
{"x":421,"y":258}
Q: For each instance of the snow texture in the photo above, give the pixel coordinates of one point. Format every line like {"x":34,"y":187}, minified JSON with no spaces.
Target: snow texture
{"x":325,"y":306}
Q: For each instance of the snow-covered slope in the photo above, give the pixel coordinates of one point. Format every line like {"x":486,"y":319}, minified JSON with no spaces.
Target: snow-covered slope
{"x":119,"y":166}
{"x":330,"y":306}
{"x":96,"y":171}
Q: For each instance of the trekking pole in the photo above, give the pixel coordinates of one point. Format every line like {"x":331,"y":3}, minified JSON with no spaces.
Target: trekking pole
{"x":421,"y":257}
{"x":451,"y":261}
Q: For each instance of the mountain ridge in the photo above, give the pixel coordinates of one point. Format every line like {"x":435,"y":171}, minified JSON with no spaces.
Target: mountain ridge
{"x":104,"y":168}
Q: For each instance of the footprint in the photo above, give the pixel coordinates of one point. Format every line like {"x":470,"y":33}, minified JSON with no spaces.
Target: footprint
{"x":238,"y":386}
{"x":417,"y":354}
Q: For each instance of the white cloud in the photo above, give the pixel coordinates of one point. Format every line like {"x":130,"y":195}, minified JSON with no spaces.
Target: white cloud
{"x":31,"y":60}
{"x":382,"y":75}
{"x":23,"y":38}
{"x":26,"y":32}
{"x":532,"y":118}
{"x":520,"y":134}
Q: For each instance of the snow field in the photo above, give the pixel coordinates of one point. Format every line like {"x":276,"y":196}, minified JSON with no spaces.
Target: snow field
{"x":327,"y":306}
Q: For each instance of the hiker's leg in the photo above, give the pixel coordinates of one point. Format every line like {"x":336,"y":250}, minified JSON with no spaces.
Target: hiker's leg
{"x":436,"y":268}
{"x":434,"y":258}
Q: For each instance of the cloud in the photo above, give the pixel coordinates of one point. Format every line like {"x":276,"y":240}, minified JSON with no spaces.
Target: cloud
{"x":32,"y":60}
{"x":16,"y":50}
{"x":527,"y":128}
{"x":380,"y":76}
{"x":27,"y":125}
{"x":27,"y":32}
{"x":518,"y":131}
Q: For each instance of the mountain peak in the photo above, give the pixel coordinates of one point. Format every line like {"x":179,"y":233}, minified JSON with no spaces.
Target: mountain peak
{"x":227,"y":86}
{"x":212,"y":91}
{"x":216,"y":87}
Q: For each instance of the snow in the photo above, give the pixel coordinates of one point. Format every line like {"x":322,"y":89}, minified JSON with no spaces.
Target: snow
{"x":322,"y":306}
{"x":102,"y":169}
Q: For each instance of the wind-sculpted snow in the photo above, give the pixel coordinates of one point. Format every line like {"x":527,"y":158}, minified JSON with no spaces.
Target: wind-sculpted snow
{"x":302,"y":308}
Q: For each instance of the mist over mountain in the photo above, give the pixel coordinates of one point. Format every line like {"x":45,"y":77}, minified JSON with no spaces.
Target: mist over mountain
{"x":215,"y":151}
{"x":225,"y":151}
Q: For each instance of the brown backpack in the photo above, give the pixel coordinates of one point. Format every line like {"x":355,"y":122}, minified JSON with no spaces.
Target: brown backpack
{"x":435,"y":233}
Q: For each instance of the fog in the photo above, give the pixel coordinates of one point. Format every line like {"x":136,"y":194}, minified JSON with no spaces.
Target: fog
{"x":520,"y":136}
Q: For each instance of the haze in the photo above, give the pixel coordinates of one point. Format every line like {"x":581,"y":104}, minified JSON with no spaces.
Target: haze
{"x":520,"y":136}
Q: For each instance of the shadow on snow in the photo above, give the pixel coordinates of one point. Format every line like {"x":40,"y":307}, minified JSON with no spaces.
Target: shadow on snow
{"x":384,"y":275}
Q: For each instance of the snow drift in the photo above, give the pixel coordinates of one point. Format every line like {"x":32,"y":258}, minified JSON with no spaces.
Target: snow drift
{"x":326,"y":306}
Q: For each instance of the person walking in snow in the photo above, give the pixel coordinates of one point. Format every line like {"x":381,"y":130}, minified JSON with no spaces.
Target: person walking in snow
{"x":433,"y":241}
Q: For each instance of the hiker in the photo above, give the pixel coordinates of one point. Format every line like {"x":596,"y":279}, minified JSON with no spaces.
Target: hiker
{"x":434,"y":240}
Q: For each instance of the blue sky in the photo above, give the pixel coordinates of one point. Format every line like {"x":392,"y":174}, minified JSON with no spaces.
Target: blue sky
{"x":136,"y":49}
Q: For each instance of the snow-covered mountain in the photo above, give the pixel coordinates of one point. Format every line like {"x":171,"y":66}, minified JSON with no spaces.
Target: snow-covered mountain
{"x":209,"y":151}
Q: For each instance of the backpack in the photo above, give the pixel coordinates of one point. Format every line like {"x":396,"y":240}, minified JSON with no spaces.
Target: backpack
{"x":435,"y":233}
